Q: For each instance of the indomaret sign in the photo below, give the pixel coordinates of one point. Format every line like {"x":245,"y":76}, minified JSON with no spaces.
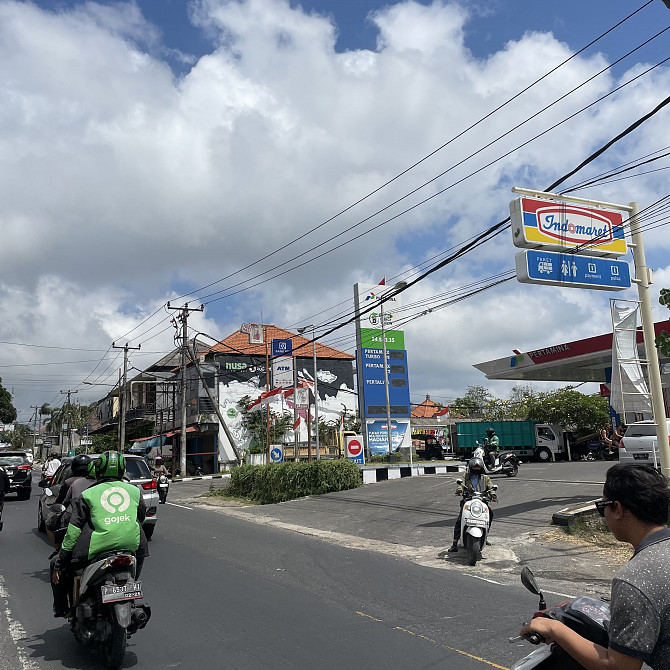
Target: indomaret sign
{"x":559,"y":226}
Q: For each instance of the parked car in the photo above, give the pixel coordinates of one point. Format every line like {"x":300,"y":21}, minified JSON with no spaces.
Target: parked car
{"x":137,"y":472}
{"x":639,"y":443}
{"x":19,"y":469}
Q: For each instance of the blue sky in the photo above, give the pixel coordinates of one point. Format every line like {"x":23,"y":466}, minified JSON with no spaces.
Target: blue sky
{"x":154,"y":147}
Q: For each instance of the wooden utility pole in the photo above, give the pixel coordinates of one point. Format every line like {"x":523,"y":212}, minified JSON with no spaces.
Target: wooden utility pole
{"x":35,"y":407}
{"x":183,"y":317}
{"x":122,"y":395}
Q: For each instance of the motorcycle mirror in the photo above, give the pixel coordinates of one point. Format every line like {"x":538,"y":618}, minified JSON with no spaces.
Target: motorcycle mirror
{"x":459,"y":481}
{"x":528,"y":580}
{"x":57,"y":508}
{"x":48,"y":491}
{"x":495,"y":487}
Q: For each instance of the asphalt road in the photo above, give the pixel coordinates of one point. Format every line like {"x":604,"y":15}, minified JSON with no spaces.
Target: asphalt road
{"x":284,"y":593}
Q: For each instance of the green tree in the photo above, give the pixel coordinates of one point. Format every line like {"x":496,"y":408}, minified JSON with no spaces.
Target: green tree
{"x":256,"y":424}
{"x":7,"y":409}
{"x":474,"y":403}
{"x":571,"y":409}
{"x":663,"y":339}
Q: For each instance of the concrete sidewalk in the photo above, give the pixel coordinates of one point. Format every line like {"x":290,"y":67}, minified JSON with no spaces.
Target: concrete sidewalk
{"x":413,"y":518}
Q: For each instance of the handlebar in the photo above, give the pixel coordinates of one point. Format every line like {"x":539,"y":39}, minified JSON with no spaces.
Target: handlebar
{"x":533,"y":638}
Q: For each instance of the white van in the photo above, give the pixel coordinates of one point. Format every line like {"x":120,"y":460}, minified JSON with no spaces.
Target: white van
{"x":638,"y":441}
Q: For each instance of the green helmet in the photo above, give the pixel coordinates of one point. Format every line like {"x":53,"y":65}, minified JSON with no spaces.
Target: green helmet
{"x":90,"y":472}
{"x":110,"y":465}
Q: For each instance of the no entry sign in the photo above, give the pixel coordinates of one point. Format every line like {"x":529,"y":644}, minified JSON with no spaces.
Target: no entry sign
{"x":354,"y":448}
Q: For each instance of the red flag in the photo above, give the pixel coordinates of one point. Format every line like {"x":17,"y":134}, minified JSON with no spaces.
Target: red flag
{"x":271,"y":395}
{"x":255,"y":405}
{"x":296,"y":424}
{"x":443,"y":411}
{"x":383,"y":281}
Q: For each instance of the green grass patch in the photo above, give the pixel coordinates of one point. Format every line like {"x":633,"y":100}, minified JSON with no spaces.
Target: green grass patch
{"x":268,"y":484}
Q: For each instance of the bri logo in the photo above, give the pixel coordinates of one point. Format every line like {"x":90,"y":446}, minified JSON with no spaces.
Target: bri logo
{"x":574,"y":225}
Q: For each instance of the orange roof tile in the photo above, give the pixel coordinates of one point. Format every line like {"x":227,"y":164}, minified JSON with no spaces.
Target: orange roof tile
{"x":238,"y":343}
{"x":426,"y":410}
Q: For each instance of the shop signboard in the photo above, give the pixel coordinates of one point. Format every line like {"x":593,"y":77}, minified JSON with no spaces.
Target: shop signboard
{"x":552,"y":225}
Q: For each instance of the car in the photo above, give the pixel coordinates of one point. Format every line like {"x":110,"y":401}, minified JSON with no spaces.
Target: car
{"x":639,"y":443}
{"x":19,"y":469}
{"x":429,"y":447}
{"x":137,"y":473}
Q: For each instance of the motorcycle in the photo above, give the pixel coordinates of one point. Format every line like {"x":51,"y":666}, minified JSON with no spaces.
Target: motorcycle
{"x":103,"y":612}
{"x":163,"y":485}
{"x":475,"y":522}
{"x":506,"y":462}
{"x":599,"y":451}
{"x":588,"y":617}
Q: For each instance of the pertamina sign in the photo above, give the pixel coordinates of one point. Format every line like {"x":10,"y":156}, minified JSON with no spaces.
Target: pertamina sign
{"x":557,"y":226}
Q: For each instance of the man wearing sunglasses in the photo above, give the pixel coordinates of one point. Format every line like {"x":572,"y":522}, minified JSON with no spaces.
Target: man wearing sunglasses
{"x":635,"y":508}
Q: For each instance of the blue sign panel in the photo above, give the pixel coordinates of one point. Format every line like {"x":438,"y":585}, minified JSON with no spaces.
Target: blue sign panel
{"x":282,"y":347}
{"x":276,"y":454}
{"x":572,"y":270}
{"x":373,"y":387}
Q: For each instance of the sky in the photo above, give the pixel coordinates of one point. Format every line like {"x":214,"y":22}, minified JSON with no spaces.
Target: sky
{"x":261,"y":157}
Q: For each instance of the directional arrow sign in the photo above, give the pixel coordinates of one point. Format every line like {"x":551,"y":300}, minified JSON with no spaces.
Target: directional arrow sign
{"x":571,"y":270}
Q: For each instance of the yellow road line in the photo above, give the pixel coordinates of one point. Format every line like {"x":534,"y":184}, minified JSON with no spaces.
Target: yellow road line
{"x":444,"y":646}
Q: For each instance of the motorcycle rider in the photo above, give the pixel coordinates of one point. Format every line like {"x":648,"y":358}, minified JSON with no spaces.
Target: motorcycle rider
{"x":475,"y":480}
{"x":635,"y":506}
{"x":4,"y":488}
{"x":107,"y":516}
{"x":491,"y":444}
{"x":79,"y":467}
{"x":159,"y":467}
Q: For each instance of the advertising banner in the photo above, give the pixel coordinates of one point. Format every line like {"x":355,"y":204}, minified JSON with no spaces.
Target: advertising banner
{"x":377,"y":433}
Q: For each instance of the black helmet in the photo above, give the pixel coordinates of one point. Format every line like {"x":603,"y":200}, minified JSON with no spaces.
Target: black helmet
{"x":490,"y":432}
{"x":80,"y":465}
{"x":476,"y":462}
{"x":110,"y":465}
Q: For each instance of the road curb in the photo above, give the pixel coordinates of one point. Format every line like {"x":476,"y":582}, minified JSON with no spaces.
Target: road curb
{"x":373,"y":474}
{"x":193,"y":479}
{"x":570,"y":515}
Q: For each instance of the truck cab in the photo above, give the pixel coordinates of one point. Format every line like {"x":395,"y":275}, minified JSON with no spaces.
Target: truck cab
{"x":429,"y":447}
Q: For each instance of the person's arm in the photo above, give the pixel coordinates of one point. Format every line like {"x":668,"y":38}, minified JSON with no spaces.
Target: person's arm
{"x":80,"y":515}
{"x":592,"y":656}
{"x":62,"y":494}
{"x":141,"y":510}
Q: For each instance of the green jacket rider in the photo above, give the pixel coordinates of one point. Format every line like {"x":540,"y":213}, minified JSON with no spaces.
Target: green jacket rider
{"x":106,"y":516}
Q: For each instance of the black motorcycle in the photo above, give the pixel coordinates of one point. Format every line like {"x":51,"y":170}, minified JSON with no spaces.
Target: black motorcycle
{"x":163,"y":485}
{"x":587,"y":616}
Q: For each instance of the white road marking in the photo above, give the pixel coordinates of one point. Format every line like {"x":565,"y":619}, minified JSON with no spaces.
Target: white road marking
{"x":175,"y":505}
{"x":16,"y":630}
{"x":491,"y":581}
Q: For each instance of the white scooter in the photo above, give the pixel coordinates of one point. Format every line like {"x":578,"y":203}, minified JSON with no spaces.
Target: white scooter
{"x":163,"y":485}
{"x":475,"y":522}
{"x":506,"y":462}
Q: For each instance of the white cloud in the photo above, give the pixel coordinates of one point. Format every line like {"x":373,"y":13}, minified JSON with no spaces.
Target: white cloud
{"x":122,"y":185}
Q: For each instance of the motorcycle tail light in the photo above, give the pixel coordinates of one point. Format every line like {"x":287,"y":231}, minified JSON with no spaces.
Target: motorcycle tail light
{"x":122,"y":561}
{"x":149,"y":486}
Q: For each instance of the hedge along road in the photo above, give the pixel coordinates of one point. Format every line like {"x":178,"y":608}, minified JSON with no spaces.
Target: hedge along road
{"x":413,"y":518}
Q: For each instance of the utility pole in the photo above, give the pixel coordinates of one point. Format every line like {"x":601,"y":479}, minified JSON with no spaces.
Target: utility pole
{"x":122,"y":395}
{"x":185,"y":310}
{"x":69,"y":421}
{"x":36,"y":408}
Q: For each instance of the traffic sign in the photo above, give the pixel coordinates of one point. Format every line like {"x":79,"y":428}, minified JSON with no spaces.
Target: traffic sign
{"x":571,"y":270}
{"x":354,"y":448}
{"x":276,"y":453}
{"x":557,"y":226}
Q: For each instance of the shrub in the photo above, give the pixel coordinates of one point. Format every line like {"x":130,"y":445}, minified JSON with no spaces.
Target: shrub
{"x":278,"y":483}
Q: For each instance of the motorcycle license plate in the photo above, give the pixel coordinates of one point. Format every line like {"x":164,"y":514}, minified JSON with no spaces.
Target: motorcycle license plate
{"x":162,"y":486}
{"x":116,"y":592}
{"x":477,"y":522}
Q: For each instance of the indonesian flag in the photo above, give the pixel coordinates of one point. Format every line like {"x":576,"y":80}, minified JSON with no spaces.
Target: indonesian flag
{"x":255,"y":405}
{"x":271,"y":395}
{"x":383,"y":281}
{"x":307,"y":383}
{"x":341,"y":422}
{"x":443,"y":411}
{"x":297,"y":423}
